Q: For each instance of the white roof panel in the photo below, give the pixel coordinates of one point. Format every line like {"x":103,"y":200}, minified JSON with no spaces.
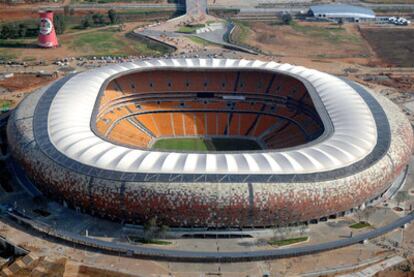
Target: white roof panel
{"x":354,"y":133}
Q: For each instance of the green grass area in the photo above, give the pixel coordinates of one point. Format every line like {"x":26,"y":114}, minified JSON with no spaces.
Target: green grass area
{"x":109,"y":43}
{"x":99,"y":42}
{"x":199,"y":40}
{"x":332,"y":34}
{"x":186,"y":144}
{"x":142,"y":11}
{"x":186,"y":30}
{"x":287,"y":241}
{"x":114,"y":1}
{"x":242,"y":31}
{"x":29,"y":59}
{"x":16,"y":43}
{"x":233,"y":144}
{"x":149,"y":241}
{"x":5,"y":105}
{"x":203,"y":144}
{"x":360,"y":225}
{"x":10,"y":48}
{"x":6,"y":55}
{"x":190,"y":29}
{"x":211,"y":22}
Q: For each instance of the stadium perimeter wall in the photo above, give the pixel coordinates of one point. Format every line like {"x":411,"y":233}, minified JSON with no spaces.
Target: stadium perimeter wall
{"x":209,"y":204}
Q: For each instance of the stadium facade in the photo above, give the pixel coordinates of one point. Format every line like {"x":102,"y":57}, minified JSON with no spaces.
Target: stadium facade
{"x":329,"y":145}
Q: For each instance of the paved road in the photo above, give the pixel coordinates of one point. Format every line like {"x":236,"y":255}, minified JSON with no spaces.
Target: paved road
{"x":199,"y":256}
{"x":199,"y":7}
{"x":119,"y":6}
{"x":297,"y":7}
{"x":213,"y":37}
{"x":376,"y":268}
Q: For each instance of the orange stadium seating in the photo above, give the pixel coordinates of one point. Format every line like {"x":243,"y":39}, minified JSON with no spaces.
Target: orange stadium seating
{"x":200,"y":123}
{"x":189,"y":124}
{"x":166,"y":103}
{"x":126,"y":133}
{"x":178,"y":123}
{"x":148,"y":121}
{"x":163,"y":122}
{"x":211,"y":124}
{"x":222,"y":121}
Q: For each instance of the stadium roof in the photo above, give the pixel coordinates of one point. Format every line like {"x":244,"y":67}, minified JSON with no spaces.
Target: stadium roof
{"x":350,"y":138}
{"x":342,"y":10}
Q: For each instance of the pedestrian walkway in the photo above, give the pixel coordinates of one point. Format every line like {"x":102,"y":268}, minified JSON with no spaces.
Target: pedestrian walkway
{"x":376,"y":268}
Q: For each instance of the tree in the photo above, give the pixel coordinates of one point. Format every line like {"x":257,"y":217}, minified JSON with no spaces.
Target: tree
{"x":66,"y":10}
{"x":286,"y":18}
{"x":113,"y":16}
{"x":60,"y":23}
{"x":22,"y":30}
{"x":163,"y":231}
{"x":9,"y":31}
{"x":150,"y":229}
{"x":86,"y":22}
{"x":98,"y":19}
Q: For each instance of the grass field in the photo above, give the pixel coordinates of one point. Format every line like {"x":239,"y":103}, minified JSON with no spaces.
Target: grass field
{"x":199,"y":41}
{"x":203,"y":144}
{"x":109,"y":42}
{"x":10,"y":48}
{"x":331,"y":34}
{"x":360,"y":225}
{"x":149,"y":241}
{"x":93,"y":42}
{"x":302,"y":39}
{"x":190,"y":29}
{"x":287,"y":241}
{"x":242,"y":32}
{"x":5,"y":105}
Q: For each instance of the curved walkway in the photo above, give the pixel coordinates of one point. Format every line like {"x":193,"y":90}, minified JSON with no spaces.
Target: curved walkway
{"x":199,"y":256}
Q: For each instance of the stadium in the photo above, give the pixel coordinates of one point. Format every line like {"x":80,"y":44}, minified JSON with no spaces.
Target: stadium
{"x":211,"y":143}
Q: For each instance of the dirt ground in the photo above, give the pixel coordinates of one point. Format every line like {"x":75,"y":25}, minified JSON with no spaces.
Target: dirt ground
{"x":401,"y":81}
{"x":9,"y":15}
{"x":15,"y":87}
{"x":311,"y":40}
{"x":394,"y":45}
{"x":24,"y":82}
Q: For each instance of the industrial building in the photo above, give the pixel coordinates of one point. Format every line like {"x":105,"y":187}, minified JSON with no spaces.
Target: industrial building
{"x":346,"y":13}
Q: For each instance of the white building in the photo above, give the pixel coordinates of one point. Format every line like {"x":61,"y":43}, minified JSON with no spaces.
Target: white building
{"x":343,"y":12}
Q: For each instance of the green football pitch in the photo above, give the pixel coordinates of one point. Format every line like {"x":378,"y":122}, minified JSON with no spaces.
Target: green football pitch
{"x":206,"y":144}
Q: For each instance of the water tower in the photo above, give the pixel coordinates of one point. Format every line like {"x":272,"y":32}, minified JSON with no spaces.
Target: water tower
{"x":47,"y":34}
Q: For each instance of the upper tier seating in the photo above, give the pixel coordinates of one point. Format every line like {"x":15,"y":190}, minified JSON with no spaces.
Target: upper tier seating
{"x":275,"y":109}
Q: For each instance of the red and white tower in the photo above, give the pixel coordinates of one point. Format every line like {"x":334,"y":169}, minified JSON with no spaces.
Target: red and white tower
{"x":47,"y":34}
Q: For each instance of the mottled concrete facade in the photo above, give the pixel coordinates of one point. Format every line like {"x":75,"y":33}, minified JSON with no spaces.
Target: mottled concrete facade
{"x":209,"y":204}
